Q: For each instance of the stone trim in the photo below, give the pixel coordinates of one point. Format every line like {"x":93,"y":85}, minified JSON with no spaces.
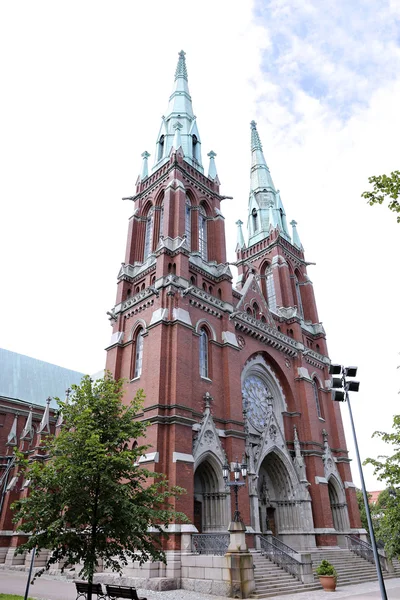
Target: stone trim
{"x":151,"y":457}
{"x":319,"y":480}
{"x":182,"y":457}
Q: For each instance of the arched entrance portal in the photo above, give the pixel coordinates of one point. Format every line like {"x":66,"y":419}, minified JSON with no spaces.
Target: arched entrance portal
{"x":281,"y":511}
{"x":210,"y":499}
{"x":338,"y":506}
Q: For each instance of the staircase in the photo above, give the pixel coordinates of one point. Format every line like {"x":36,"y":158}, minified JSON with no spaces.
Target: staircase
{"x":272,"y":580}
{"x":351,"y":568}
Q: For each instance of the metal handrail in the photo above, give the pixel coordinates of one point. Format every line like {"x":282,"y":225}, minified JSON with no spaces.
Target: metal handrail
{"x":281,"y":545}
{"x":210,"y":543}
{"x":275,"y":551}
{"x":364,"y":550}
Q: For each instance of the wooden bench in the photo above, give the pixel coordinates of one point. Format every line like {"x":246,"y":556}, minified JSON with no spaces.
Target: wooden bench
{"x":122,"y":591}
{"x":82,"y":588}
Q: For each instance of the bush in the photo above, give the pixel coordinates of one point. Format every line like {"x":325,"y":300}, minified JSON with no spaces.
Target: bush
{"x":325,"y":568}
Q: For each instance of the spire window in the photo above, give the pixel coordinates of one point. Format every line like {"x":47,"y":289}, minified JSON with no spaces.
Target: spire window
{"x":254,"y":219}
{"x":270,"y":287}
{"x":161,"y":144}
{"x":202,"y":233}
{"x":188,"y":222}
{"x":149,"y":234}
{"x":195,"y":148}
{"x":203,"y":357}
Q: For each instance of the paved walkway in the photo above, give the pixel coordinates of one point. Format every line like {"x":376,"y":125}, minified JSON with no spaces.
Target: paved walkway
{"x":51,"y":588}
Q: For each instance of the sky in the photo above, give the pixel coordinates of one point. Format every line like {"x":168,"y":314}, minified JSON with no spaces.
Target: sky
{"x":84,"y":85}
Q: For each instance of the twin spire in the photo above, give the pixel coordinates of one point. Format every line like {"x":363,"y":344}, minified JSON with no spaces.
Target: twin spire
{"x":265,"y":210}
{"x":179,"y":132}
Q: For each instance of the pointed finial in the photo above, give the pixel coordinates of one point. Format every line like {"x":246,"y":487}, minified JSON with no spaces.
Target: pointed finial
{"x":325,"y":436}
{"x":145,"y":168}
{"x":240,"y":239}
{"x":45,"y":422}
{"x":181,"y":70}
{"x":12,"y":436}
{"x":295,"y":236}
{"x":212,"y":169}
{"x":207,"y":401}
{"x":255,"y":138}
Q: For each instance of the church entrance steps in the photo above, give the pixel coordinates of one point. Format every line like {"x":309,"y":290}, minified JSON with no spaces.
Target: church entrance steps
{"x":351,"y":568}
{"x":272,"y":580}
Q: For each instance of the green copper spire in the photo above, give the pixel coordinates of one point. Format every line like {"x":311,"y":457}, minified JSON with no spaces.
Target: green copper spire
{"x":265,"y":211}
{"x":260,"y":175}
{"x":180,"y":110}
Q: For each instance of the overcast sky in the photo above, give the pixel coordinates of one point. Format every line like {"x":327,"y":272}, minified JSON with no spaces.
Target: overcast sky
{"x":84,"y":85}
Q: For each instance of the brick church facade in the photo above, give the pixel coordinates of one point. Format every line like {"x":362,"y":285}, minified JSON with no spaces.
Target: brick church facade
{"x":230,"y":373}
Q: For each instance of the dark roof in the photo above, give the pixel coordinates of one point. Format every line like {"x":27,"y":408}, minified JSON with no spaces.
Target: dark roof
{"x":33,"y":380}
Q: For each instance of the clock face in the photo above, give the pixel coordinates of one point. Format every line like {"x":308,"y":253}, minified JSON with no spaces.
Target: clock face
{"x":257,"y":401}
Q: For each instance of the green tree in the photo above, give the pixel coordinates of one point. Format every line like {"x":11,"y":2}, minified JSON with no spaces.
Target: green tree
{"x":385,"y":187}
{"x":361,"y":506}
{"x":91,"y":500}
{"x":387,"y":468}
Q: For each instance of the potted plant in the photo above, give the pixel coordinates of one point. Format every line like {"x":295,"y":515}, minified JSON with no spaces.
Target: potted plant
{"x":327,"y":575}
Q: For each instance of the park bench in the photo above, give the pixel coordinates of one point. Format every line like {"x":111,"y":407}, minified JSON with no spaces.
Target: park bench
{"x":82,"y":588}
{"x":122,"y":591}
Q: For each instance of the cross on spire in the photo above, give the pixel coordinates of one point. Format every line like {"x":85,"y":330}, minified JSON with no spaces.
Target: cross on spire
{"x":181,"y":70}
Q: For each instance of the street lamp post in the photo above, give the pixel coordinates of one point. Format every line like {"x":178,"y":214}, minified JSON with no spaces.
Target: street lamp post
{"x":340,"y":393}
{"x":235,"y":484}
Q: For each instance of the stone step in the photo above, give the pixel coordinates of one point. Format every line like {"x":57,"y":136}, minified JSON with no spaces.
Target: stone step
{"x":272,"y":580}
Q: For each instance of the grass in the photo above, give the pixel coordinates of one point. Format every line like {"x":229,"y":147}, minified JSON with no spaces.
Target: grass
{"x":12,"y":597}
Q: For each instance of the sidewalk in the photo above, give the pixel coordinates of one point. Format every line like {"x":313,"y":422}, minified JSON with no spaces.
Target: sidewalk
{"x":50,"y":588}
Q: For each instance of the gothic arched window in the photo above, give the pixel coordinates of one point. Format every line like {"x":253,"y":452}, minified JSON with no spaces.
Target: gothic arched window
{"x":159,"y":233}
{"x":148,"y":240}
{"x":188,"y":222}
{"x":270,"y":288}
{"x":202,"y":233}
{"x":317,"y":399}
{"x":137,"y":351}
{"x":203,"y":354}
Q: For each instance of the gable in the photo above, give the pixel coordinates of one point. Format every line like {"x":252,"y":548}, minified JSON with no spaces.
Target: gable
{"x":251,"y":296}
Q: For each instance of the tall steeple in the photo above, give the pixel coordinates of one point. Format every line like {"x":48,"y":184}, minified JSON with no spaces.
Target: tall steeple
{"x":265,"y":210}
{"x":179,"y":116}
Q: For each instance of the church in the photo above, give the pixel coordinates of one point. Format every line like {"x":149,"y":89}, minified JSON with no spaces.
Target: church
{"x":233,"y":372}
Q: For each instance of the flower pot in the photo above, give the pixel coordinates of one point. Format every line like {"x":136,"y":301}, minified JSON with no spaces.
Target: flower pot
{"x":328,"y":582}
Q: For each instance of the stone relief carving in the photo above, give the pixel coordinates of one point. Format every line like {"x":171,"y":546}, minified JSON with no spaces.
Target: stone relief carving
{"x":298,"y":460}
{"x":207,"y":439}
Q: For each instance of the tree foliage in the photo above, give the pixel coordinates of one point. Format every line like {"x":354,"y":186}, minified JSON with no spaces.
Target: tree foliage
{"x":387,"y":468}
{"x":91,"y":500}
{"x":385,"y":187}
